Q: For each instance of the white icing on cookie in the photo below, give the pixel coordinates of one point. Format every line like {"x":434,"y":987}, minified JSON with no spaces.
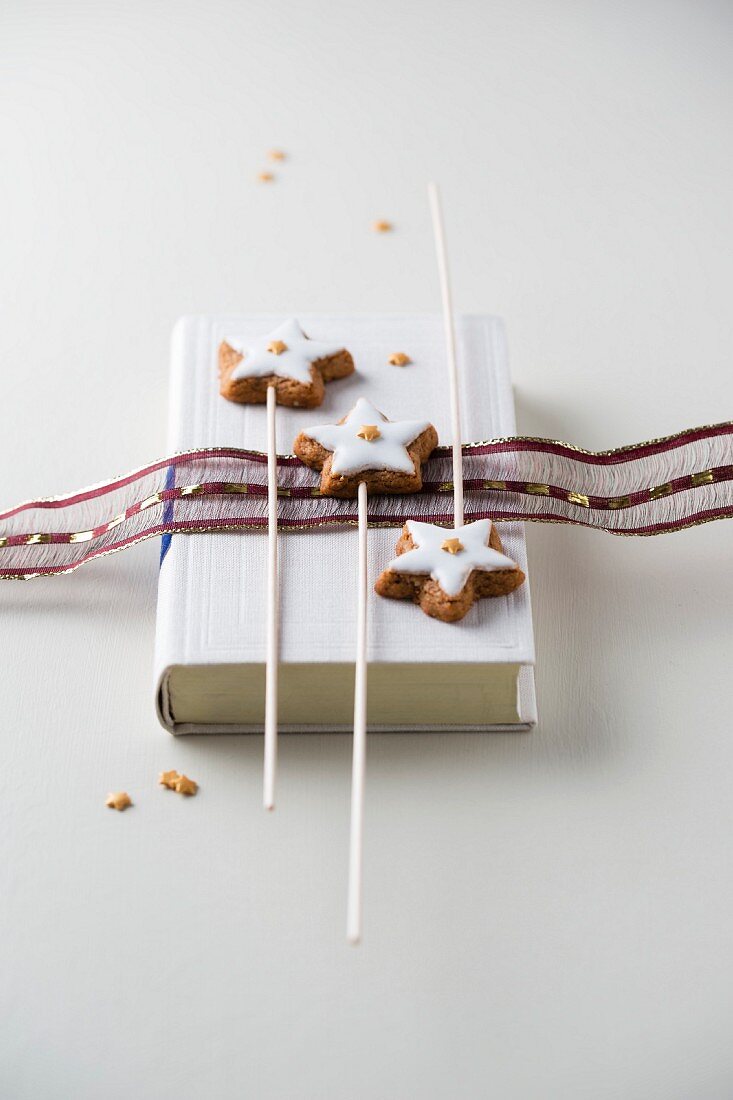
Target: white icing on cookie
{"x":353,"y":454}
{"x":450,"y":570}
{"x":294,"y":362}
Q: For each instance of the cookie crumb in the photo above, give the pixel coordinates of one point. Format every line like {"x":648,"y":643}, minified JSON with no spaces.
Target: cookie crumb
{"x":186,"y":786}
{"x":452,"y":546}
{"x":276,"y":154}
{"x":382,"y":226}
{"x":118,"y":800}
{"x":169,"y":779}
{"x":266,"y":177}
{"x":370,"y":432}
{"x":277,"y":347}
{"x":399,"y":359}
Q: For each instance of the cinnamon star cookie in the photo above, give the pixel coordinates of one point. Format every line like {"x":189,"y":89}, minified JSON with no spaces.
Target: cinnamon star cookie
{"x":287,"y":359}
{"x":446,"y":570}
{"x":365,"y":446}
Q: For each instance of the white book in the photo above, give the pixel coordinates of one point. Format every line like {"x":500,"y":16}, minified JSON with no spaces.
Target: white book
{"x":423,"y":674}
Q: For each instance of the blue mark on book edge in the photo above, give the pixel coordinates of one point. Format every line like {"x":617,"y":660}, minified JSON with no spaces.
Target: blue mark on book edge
{"x":165,"y":542}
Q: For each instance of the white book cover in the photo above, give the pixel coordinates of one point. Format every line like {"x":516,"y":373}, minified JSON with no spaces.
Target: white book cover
{"x":212,"y":588}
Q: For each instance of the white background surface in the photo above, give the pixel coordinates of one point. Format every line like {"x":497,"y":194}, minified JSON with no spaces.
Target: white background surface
{"x":547,"y":916}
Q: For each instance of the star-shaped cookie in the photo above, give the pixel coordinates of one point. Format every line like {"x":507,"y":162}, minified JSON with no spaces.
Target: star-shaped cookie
{"x":286,"y":359}
{"x":366,"y":446}
{"x":445,"y":571}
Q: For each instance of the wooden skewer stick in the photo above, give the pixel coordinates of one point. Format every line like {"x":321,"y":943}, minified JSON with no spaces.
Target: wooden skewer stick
{"x":354,"y":914}
{"x":450,"y":347}
{"x":272,"y":656}
{"x":353,"y":920}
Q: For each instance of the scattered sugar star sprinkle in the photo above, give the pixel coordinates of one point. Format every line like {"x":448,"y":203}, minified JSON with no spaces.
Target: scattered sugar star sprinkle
{"x":276,"y":154}
{"x":369,"y":432}
{"x":118,"y":800}
{"x":399,"y":359}
{"x":266,"y":177}
{"x":382,"y":226}
{"x":186,"y":786}
{"x":168,"y":779}
{"x":452,"y":569}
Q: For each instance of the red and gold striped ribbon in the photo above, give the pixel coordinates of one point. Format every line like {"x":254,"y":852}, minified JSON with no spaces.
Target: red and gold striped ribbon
{"x":645,"y":489}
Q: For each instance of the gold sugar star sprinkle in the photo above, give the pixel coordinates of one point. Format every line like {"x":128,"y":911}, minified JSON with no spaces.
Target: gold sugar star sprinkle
{"x":276,"y":154}
{"x":118,"y":800}
{"x":186,"y":786}
{"x":277,"y":347}
{"x":369,"y":432}
{"x":169,"y":779}
{"x":265,"y":177}
{"x":452,"y":546}
{"x":399,"y":359}
{"x":382,"y":226}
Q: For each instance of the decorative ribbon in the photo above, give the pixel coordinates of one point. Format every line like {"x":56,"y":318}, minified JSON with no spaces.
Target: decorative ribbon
{"x":645,"y":489}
